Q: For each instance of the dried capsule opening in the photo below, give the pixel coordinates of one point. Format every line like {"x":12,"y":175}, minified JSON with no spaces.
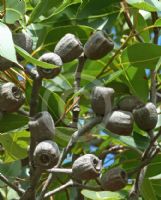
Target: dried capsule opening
{"x":123,"y":175}
{"x":46,"y":71}
{"x":95,"y":162}
{"x":16,"y":92}
{"x":45,"y":159}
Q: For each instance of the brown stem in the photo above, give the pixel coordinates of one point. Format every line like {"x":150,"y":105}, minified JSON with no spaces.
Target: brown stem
{"x":71,"y":183}
{"x":76,"y":107}
{"x":128,"y":20}
{"x":70,"y":144}
{"x":5,"y":180}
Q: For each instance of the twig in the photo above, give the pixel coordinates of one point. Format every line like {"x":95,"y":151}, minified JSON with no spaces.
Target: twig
{"x":151,"y":151}
{"x":60,"y":170}
{"x":3,"y":13}
{"x":154,"y":16}
{"x":71,"y":143}
{"x":23,"y":112}
{"x":76,"y":107}
{"x":76,"y":135}
{"x":128,"y":20}
{"x":37,"y":82}
{"x":71,"y":183}
{"x":123,"y":46}
{"x":19,"y":191}
{"x":34,"y":173}
{"x":153,"y":90}
{"x":30,"y":192}
{"x":112,"y":149}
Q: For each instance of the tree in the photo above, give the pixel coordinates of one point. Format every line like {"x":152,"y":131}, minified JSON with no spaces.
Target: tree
{"x":80,"y":99}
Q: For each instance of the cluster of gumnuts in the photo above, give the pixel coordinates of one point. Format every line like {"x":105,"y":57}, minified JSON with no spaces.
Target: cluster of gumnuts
{"x":119,"y":121}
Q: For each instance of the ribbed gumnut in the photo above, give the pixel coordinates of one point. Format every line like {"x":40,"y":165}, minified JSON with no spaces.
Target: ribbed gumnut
{"x":86,"y":167}
{"x":101,"y":100}
{"x":146,"y":116}
{"x":51,"y":58}
{"x":11,"y":97}
{"x":128,"y":103}
{"x":98,"y":45}
{"x":42,"y":126}
{"x":68,"y":48}
{"x":5,"y":63}
{"x":114,"y":179}
{"x":24,"y":41}
{"x":120,"y":122}
{"x":46,"y":154}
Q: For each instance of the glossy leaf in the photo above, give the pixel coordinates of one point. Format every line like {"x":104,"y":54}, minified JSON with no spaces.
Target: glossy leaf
{"x":102,"y":195}
{"x":7,"y":49}
{"x":142,"y":55}
{"x":151,"y":5}
{"x":15,"y":121}
{"x":15,"y":10}
{"x":15,"y":144}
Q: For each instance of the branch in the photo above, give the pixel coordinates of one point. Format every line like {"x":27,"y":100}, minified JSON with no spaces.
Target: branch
{"x":70,"y":144}
{"x":151,"y":151}
{"x":60,"y":170}
{"x":76,"y":135}
{"x":34,"y":173}
{"x":112,"y":149}
{"x":123,"y":46}
{"x":153,"y":90}
{"x":76,"y":107}
{"x":71,"y":183}
{"x":37,"y":82}
{"x":19,"y":191}
{"x":128,"y":20}
{"x":30,"y":192}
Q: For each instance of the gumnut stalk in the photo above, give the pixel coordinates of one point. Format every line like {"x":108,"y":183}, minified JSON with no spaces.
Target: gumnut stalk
{"x":114,"y":179}
{"x":98,"y":45}
{"x":50,"y":58}
{"x":101,"y":100}
{"x":11,"y":97}
{"x":86,"y":167}
{"x":42,"y":126}
{"x":146,"y":116}
{"x":46,"y":154}
{"x":120,"y":122}
{"x":69,"y":48}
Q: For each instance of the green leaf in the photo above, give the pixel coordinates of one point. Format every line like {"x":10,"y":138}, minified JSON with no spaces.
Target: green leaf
{"x":15,"y":144}
{"x":15,"y":10}
{"x":32,"y":60}
{"x":52,"y":102}
{"x":154,"y":167}
{"x":82,"y":32}
{"x":102,"y":195}
{"x":47,"y":9}
{"x":140,"y":24}
{"x":147,"y":190}
{"x":138,"y":83}
{"x":94,"y":7}
{"x":63,"y":135}
{"x":151,"y":5}
{"x":11,"y":121}
{"x":58,"y":84}
{"x":7,"y":49}
{"x":143,"y":55}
